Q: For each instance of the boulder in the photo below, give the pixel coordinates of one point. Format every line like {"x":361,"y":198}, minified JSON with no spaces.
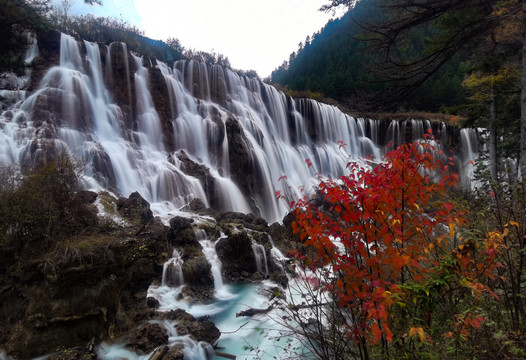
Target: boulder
{"x":85,"y":197}
{"x":182,"y":236}
{"x":187,"y":324}
{"x":152,"y":302}
{"x":231,"y":219}
{"x":147,"y":338}
{"x":135,"y":208}
{"x":176,"y":353}
{"x":236,"y":255}
{"x":197,"y":272}
{"x":198,"y":206}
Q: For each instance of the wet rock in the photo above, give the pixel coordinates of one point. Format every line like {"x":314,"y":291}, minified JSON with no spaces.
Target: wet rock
{"x":202,"y":173}
{"x":198,"y":206}
{"x":73,"y":354}
{"x":237,"y":256}
{"x":179,"y":223}
{"x":240,"y":154}
{"x":120,"y":78}
{"x":197,"y":272}
{"x":187,"y":324}
{"x":163,"y":105}
{"x":249,"y":221}
{"x":147,"y":337}
{"x":156,"y":228}
{"x":283,"y":236}
{"x":152,"y":302}
{"x":176,"y":353}
{"x":135,"y":208}
{"x":279,"y":277}
{"x":85,"y":197}
{"x":182,"y":236}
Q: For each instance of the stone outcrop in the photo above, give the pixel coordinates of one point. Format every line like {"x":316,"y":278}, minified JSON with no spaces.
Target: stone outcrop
{"x":147,"y":338}
{"x":237,"y":256}
{"x":230,"y":219}
{"x":187,"y":324}
{"x":91,"y":288}
{"x":200,"y":172}
{"x":196,"y":269}
{"x":135,"y":208}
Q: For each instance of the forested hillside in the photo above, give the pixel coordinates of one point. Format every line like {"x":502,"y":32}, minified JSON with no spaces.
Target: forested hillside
{"x":338,"y":63}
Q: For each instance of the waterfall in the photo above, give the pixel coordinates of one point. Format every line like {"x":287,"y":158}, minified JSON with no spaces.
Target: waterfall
{"x":261,"y":257}
{"x":469,"y":145}
{"x":149,"y":126}
{"x":173,"y":271}
{"x":240,"y":135}
{"x":276,"y":254}
{"x":209,"y":250}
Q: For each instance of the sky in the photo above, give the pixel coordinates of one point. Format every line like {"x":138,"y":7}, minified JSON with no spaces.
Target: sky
{"x":254,"y":34}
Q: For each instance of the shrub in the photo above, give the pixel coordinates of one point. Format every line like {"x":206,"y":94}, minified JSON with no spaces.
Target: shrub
{"x":387,"y":273}
{"x":37,"y":205}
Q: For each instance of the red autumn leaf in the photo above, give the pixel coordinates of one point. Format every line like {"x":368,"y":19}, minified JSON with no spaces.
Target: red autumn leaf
{"x":377,"y":333}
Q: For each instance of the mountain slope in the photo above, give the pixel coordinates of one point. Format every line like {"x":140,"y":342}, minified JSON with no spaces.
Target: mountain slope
{"x":337,"y":64}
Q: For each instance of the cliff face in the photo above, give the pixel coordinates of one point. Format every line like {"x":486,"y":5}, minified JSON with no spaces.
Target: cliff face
{"x":129,"y":118}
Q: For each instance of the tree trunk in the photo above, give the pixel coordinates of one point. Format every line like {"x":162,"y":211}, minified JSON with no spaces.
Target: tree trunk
{"x":493,"y":137}
{"x":522,"y":155}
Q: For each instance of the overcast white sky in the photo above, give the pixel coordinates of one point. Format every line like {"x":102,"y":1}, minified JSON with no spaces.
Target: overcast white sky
{"x":254,"y":34}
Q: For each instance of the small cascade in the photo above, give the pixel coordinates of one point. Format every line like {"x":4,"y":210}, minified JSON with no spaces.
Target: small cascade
{"x":173,"y":271}
{"x":394,"y":137}
{"x":276,"y":254}
{"x":191,"y":349}
{"x":469,"y":153}
{"x":261,"y":257}
{"x":417,"y":130}
{"x":209,"y":250}
{"x":148,"y":121}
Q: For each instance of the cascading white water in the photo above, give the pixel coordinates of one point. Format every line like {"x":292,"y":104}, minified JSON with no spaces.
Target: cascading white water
{"x":276,"y":254}
{"x":124,"y":145}
{"x":173,"y":271}
{"x":149,"y":126}
{"x":261,"y":257}
{"x":470,"y":145}
{"x":209,"y":250}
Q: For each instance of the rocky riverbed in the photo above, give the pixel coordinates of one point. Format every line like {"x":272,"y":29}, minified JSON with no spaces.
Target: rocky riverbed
{"x":67,"y":299}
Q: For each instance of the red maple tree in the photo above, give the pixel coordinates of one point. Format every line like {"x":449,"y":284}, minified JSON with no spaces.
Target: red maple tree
{"x":380,"y":236}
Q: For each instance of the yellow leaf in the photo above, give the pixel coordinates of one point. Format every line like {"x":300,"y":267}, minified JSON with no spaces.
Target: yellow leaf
{"x":514,"y":223}
{"x":418,"y":331}
{"x":451,"y":230}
